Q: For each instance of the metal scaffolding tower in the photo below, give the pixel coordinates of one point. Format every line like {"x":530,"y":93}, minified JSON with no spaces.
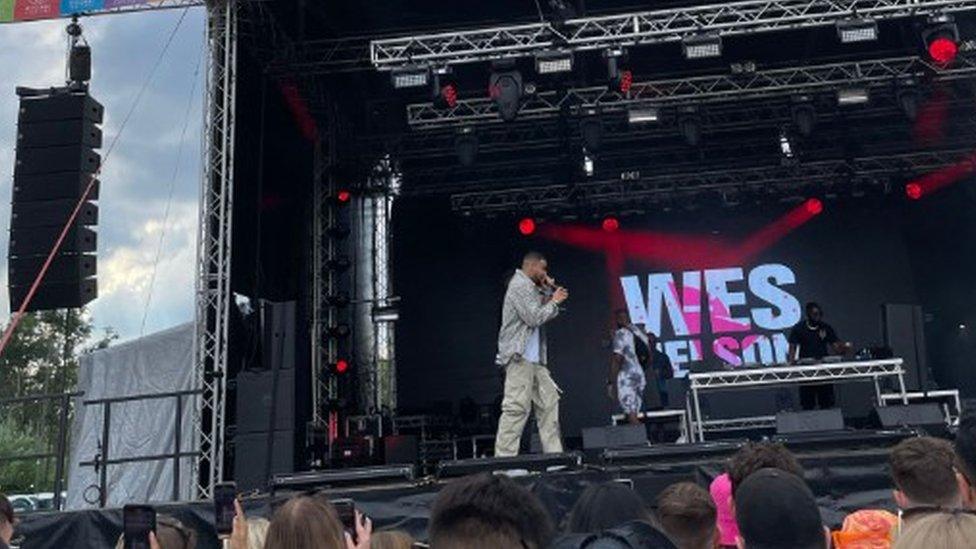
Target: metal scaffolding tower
{"x":213,"y":293}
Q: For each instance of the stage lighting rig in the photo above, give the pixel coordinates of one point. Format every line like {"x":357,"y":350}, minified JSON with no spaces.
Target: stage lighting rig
{"x":506,"y":88}
{"x":852,"y":31}
{"x":787,"y":149}
{"x":643,"y":115}
{"x":443,"y":90}
{"x":857,"y":95}
{"x":553,"y":62}
{"x":618,"y":79}
{"x":941,"y":38}
{"x":410,"y":77}
{"x":526,"y":226}
{"x":702,"y":46}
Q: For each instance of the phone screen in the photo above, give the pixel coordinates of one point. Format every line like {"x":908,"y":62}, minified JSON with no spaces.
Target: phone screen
{"x":224,"y":495}
{"x":347,"y":515}
{"x":137,"y":522}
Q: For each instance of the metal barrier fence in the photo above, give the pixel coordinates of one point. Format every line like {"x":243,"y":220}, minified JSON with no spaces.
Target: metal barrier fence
{"x":60,"y":444}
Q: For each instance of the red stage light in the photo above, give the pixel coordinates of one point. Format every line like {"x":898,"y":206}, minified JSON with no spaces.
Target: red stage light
{"x":526,"y":226}
{"x":449,"y":95}
{"x":943,"y":50}
{"x":343,"y":196}
{"x":610,"y":224}
{"x":626,"y":81}
{"x":342,"y":366}
{"x":913,"y":191}
{"x":813,"y":206}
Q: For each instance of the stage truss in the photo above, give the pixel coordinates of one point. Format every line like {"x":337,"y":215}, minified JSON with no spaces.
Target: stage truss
{"x":650,"y":27}
{"x":872,"y":73}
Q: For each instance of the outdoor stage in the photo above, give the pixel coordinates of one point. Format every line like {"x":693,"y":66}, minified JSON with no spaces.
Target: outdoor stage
{"x":846,"y":474}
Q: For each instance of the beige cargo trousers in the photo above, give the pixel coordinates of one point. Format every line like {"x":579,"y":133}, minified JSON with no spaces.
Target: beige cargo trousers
{"x":528,"y":386}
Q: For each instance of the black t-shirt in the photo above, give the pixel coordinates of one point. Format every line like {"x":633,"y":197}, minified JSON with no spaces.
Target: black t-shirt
{"x":814,"y":343}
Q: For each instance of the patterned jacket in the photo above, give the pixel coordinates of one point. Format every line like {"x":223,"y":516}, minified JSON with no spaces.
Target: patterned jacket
{"x":522,"y":311}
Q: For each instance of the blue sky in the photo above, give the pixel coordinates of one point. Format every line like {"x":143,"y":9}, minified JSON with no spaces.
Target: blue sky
{"x":139,"y":173}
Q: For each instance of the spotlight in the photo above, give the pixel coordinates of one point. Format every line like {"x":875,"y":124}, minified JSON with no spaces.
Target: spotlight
{"x":410,"y":77}
{"x":788,"y":155}
{"x":343,"y":196}
{"x":643,"y":115}
{"x":852,"y":96}
{"x":588,"y":167}
{"x":690,"y":128}
{"x":610,"y":224}
{"x":857,"y":30}
{"x":505,"y":89}
{"x":913,"y":191}
{"x":702,"y":46}
{"x":813,"y":206}
{"x":526,"y":226}
{"x":341,"y":366}
{"x":553,"y":62}
{"x":941,"y":38}
{"x":618,"y":80}
{"x":466,"y":147}
{"x":591,"y":131}
{"x":804,"y":116}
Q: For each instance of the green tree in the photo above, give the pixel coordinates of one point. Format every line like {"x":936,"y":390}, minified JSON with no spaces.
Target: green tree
{"x":41,"y":358}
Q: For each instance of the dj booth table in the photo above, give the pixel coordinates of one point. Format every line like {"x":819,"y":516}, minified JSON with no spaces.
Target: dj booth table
{"x":779,"y":376}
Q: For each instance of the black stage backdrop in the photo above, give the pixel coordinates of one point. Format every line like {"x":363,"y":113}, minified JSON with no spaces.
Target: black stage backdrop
{"x":758,"y":264}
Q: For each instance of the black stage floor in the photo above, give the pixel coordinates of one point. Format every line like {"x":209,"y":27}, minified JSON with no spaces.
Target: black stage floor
{"x":847,"y":471}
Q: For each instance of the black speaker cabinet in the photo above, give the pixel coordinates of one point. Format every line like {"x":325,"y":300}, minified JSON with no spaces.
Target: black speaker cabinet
{"x":811,"y":421}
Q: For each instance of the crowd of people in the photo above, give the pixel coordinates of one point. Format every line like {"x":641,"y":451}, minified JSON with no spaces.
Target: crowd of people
{"x":760,"y":501}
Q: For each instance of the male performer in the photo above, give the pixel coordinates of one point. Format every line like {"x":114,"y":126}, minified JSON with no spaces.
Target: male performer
{"x":532,"y":299}
{"x":627,"y":380}
{"x":814,"y":338}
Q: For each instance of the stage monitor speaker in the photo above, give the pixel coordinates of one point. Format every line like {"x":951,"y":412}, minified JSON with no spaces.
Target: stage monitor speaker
{"x":254,"y":400}
{"x":55,"y":295}
{"x":614,"y":436}
{"x":811,"y":421}
{"x":399,"y":449}
{"x":250,"y":458}
{"x":904,"y":333}
{"x":927,"y":416}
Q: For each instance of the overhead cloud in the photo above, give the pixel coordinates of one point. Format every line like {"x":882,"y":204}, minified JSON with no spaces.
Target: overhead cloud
{"x":141,"y":172}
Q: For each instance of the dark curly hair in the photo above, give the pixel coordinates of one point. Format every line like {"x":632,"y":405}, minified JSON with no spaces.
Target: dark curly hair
{"x":760,"y":455}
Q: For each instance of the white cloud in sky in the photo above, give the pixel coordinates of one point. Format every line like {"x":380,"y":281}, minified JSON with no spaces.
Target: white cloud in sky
{"x":139,"y":174}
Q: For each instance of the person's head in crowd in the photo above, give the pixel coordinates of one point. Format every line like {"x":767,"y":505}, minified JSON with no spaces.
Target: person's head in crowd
{"x":947,"y":530}
{"x":7,"y":520}
{"x":636,"y":534}
{"x":391,"y":539}
{"x":721,"y":491}
{"x":603,"y":506}
{"x":866,"y":529}
{"x":488,"y":511}
{"x":257,"y":532}
{"x":305,"y":523}
{"x":776,"y":510}
{"x":965,"y":447}
{"x":923,"y":470}
{"x":687,"y":515}
{"x":170,"y":534}
{"x":761,"y":455}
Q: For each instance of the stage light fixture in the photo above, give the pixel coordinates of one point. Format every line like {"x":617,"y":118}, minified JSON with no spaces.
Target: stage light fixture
{"x":414,"y":77}
{"x":343,"y":196}
{"x":941,"y":38}
{"x":786,"y":149}
{"x":505,"y":89}
{"x":610,"y":224}
{"x":804,"y":116}
{"x":643,"y":115}
{"x":852,"y":96}
{"x":591,"y":132}
{"x":466,"y":146}
{"x":690,"y":127}
{"x":702,"y":46}
{"x":588,"y":166}
{"x":341,"y":366}
{"x":852,"y":31}
{"x":618,"y":80}
{"x":553,"y":62}
{"x":813,"y":206}
{"x":908,"y":99}
{"x":913,"y":191}
{"x":339,"y":331}
{"x":526,"y":226}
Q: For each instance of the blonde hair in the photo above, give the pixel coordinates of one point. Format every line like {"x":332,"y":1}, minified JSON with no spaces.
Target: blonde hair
{"x":939,"y":530}
{"x":391,"y":539}
{"x":257,"y":531}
